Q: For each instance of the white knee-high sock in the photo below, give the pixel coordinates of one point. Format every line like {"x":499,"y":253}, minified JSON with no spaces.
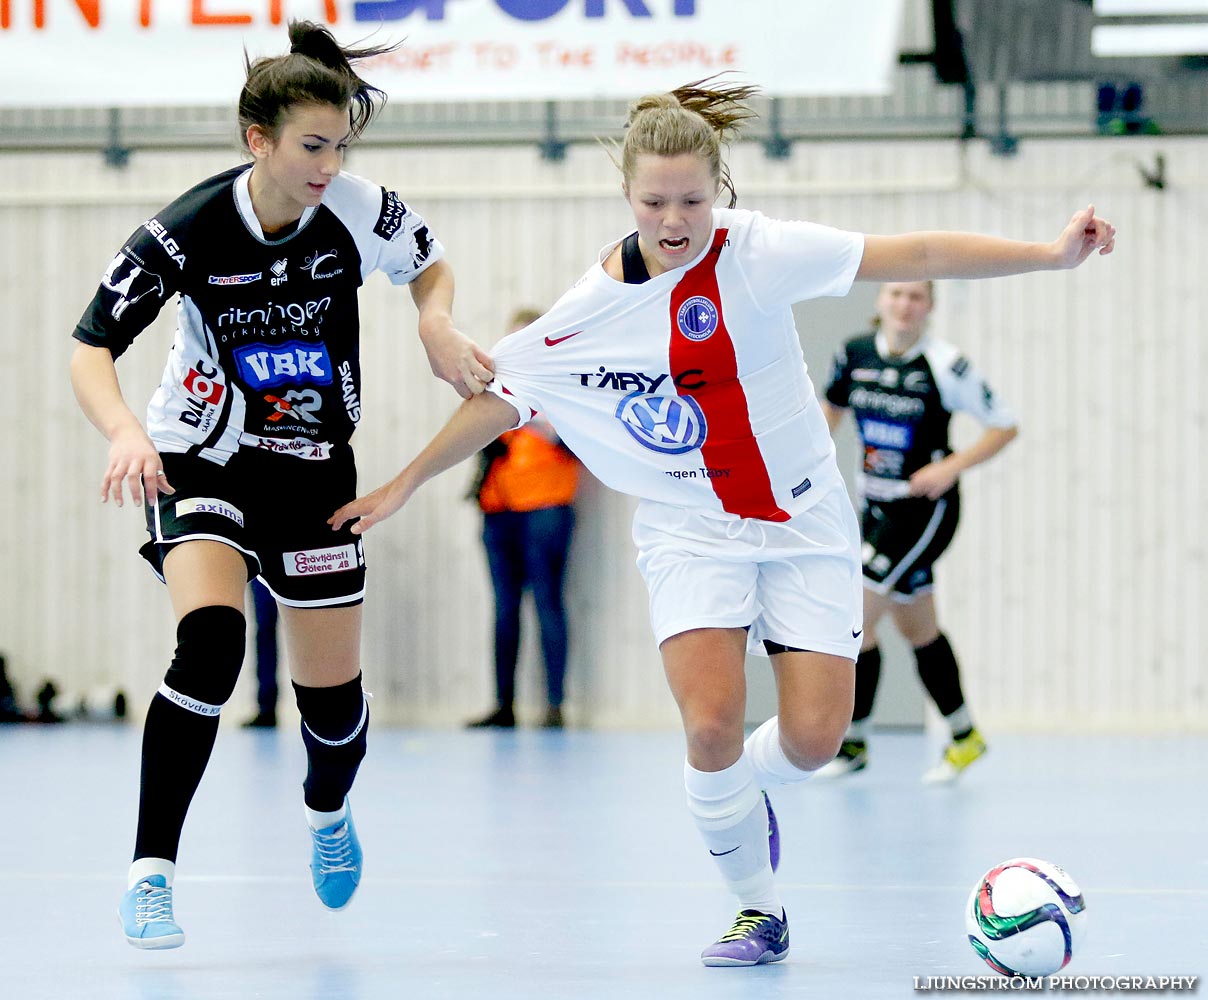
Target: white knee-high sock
{"x":729,"y":812}
{"x":767,"y":757}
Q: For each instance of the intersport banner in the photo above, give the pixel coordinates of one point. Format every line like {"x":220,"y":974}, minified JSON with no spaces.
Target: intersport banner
{"x":185,"y":52}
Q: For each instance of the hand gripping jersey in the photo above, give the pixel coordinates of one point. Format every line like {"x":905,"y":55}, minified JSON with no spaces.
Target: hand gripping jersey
{"x":266,"y":353}
{"x":904,"y":403}
{"x":690,"y":388}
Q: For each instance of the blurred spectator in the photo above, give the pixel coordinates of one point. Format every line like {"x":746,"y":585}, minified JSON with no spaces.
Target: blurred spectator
{"x":9,"y":712}
{"x":525,"y":489}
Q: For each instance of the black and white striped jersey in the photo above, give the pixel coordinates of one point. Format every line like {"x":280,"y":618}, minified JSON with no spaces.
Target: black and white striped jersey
{"x":266,"y":353}
{"x":903,"y":405}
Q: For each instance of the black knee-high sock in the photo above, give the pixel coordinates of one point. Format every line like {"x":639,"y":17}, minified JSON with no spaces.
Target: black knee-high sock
{"x":335,"y":723}
{"x":868,"y":676}
{"x":182,"y":722}
{"x":940,"y":675}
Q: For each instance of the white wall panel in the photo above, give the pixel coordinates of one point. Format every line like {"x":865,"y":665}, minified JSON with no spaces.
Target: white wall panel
{"x":1074,"y":591}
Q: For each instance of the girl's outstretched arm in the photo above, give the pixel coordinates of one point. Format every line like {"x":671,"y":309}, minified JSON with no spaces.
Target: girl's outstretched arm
{"x":475,"y":424}
{"x":928,"y":255}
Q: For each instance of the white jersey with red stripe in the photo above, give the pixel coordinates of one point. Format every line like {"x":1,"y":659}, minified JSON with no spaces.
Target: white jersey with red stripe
{"x":690,"y":388}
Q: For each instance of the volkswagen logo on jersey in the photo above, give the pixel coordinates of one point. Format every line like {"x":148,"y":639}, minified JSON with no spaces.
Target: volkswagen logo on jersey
{"x":697,"y":318}
{"x":670,"y":425}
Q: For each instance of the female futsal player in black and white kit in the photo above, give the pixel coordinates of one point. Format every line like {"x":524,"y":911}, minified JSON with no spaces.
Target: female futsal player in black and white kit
{"x":903,"y":385}
{"x":246,"y":451}
{"x":674,"y":371}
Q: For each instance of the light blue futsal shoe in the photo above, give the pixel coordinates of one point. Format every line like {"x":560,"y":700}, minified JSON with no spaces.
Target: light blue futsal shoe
{"x":335,"y":865}
{"x":146,"y":915}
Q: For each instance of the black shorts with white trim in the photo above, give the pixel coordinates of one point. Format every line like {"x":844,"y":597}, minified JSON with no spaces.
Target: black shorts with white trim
{"x":272,"y":508}
{"x":902,"y":541}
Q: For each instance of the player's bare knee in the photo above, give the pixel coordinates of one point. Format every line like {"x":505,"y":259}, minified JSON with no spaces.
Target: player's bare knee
{"x":810,"y":743}
{"x":809,"y":755}
{"x":714,"y":738}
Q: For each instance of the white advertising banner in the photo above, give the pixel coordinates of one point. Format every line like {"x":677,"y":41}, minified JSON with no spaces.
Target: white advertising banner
{"x":184,"y":52}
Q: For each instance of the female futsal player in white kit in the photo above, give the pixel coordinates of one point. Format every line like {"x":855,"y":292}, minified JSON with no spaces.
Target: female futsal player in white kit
{"x":673,"y":370}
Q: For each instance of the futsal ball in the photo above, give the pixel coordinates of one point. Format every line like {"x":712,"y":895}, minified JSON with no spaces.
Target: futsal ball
{"x":1026,"y":917}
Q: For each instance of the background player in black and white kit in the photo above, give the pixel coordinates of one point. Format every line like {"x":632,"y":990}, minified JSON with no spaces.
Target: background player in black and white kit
{"x":246,"y":451}
{"x":903,"y":385}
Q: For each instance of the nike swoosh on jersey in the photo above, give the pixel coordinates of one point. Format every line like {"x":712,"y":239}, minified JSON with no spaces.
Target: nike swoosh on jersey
{"x":722,"y":854}
{"x":555,"y":341}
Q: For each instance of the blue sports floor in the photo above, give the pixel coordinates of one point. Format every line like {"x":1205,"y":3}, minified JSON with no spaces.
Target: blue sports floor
{"x":564,"y":865}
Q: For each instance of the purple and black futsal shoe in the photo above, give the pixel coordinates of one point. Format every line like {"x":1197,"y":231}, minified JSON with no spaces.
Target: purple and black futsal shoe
{"x":755,"y":939}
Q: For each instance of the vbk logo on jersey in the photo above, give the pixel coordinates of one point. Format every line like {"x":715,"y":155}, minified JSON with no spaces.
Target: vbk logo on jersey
{"x":292,"y":362}
{"x":882,"y":434}
{"x":201,"y":385}
{"x":670,"y":425}
{"x":697,"y":318}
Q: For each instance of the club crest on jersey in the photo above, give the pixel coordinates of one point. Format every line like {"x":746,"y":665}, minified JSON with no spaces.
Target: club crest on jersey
{"x":697,"y":318}
{"x":315,"y":261}
{"x":670,"y":425}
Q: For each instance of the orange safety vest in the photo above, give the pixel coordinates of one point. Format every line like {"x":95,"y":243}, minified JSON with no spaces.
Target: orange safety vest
{"x":533,"y":474}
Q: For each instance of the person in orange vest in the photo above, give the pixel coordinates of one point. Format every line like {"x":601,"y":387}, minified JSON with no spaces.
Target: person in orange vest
{"x":526,"y":491}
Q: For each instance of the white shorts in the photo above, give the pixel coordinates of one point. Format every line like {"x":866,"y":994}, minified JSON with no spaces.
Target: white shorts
{"x":796,"y":582}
